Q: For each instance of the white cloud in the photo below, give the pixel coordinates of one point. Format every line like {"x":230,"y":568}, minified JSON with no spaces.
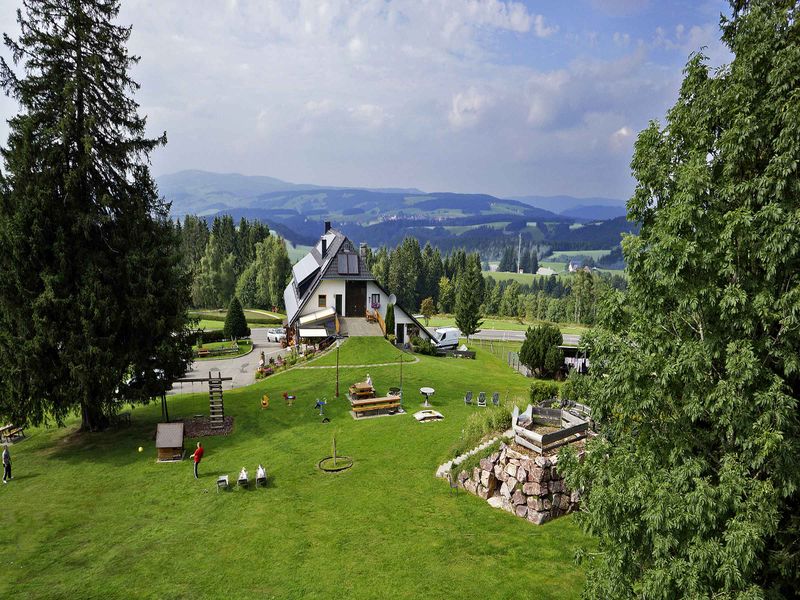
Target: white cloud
{"x":368,"y":114}
{"x":368,"y":92}
{"x":621,"y":138}
{"x":621,"y":39}
{"x":466,"y":108}
{"x":541,"y":29}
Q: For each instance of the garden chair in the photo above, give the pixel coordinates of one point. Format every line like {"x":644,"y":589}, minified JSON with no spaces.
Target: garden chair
{"x":243,"y":480}
{"x":468,"y":398}
{"x":482,"y":399}
{"x":496,"y":398}
{"x":222,"y":483}
{"x":261,"y":476}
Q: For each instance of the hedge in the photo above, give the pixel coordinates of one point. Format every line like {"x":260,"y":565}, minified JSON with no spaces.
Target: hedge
{"x":543,"y":390}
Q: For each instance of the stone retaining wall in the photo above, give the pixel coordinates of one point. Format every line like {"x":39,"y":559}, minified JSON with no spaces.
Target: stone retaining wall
{"x":531,"y":488}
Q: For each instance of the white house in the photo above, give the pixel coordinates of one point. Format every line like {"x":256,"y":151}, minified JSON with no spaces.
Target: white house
{"x":331,"y":285}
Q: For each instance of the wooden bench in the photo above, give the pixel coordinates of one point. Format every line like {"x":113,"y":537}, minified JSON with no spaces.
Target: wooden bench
{"x":374,"y":404}
{"x":10,"y":432}
{"x":203,"y":352}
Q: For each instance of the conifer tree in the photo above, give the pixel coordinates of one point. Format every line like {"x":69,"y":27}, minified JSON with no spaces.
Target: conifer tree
{"x":468,"y":299}
{"x":389,"y":320}
{"x":235,"y":322}
{"x":93,"y":294}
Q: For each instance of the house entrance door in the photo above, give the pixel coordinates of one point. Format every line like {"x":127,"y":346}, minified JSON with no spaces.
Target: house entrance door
{"x":355,"y":298}
{"x":339,"y":305}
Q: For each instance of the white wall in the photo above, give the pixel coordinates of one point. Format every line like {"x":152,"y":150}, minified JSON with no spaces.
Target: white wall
{"x":329,"y":287}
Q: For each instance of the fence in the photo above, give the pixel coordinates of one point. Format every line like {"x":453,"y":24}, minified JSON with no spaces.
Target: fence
{"x":512,"y":359}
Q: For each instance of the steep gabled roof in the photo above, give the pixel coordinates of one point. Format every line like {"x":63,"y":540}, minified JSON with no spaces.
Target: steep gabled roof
{"x":314,"y":267}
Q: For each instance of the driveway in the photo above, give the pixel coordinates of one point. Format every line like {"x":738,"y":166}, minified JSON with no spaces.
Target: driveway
{"x":242,"y":368}
{"x":502,"y":335}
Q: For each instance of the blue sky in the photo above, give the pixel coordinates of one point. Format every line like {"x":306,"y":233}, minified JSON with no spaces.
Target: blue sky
{"x":507,"y":98}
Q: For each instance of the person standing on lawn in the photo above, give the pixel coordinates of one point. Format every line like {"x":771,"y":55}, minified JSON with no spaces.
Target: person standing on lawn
{"x":198,"y":454}
{"x":6,"y":464}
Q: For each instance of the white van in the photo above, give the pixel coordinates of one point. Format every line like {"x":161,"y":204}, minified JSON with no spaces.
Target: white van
{"x":446,"y":338}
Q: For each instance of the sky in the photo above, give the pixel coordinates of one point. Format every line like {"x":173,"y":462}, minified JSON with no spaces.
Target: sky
{"x":479,"y":96}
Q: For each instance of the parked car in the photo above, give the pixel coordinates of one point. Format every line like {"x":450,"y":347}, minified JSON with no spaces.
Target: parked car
{"x":446,"y":338}
{"x":276,"y":335}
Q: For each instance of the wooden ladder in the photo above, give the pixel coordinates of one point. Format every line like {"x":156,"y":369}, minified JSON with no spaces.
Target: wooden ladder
{"x":216,"y":407}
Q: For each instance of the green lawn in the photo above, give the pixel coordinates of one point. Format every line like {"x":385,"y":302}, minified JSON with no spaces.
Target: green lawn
{"x":565,"y":255}
{"x":208,"y":324}
{"x":88,"y":516}
{"x":507,"y":324}
{"x":245,"y":346}
{"x":363,"y":350}
{"x":215,"y":317}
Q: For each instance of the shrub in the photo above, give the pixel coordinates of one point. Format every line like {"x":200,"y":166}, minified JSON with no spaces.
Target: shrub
{"x":209,"y":336}
{"x":492,"y":419}
{"x":543,"y":390}
{"x":389,"y":321}
{"x":540,"y":351}
{"x":575,"y":388}
{"x":422,"y":346}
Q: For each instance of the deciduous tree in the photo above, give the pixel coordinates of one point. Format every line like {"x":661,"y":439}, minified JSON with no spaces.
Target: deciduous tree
{"x":693,"y":486}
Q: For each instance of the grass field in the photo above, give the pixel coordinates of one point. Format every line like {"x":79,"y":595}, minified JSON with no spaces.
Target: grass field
{"x":361,"y":350}
{"x":507,"y":324}
{"x":88,"y":516}
{"x":208,"y":324}
{"x":565,"y":255}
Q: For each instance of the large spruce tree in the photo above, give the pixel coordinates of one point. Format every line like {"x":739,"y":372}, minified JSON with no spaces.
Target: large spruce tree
{"x":694,"y":484}
{"x":93,"y":296}
{"x":469,"y":298}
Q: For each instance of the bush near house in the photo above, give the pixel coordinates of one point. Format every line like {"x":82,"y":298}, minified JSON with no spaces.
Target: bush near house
{"x":422,"y":346}
{"x":543,"y":390}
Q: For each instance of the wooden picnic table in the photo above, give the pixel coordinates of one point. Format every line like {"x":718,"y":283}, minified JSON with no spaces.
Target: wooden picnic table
{"x":374,"y":404}
{"x":362,"y":389}
{"x":10,"y":431}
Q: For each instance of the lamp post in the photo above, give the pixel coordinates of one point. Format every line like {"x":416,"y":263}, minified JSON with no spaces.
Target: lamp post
{"x":338,"y":343}
{"x":401,"y":373}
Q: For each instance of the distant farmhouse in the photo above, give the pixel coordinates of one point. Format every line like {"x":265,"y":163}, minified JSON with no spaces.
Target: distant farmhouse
{"x":332,"y":291}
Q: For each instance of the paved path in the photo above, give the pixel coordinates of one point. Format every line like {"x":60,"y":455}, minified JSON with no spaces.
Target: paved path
{"x":242,"y":368}
{"x":503,"y":335}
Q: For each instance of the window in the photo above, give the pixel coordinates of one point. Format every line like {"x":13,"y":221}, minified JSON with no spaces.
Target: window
{"x":322,"y":300}
{"x":375,"y":301}
{"x":352,"y":264}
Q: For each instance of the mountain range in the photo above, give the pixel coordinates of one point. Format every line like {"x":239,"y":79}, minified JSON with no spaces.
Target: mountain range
{"x":385,"y":215}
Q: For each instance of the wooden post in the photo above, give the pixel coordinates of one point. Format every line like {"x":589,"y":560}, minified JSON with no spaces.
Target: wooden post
{"x":337,"y":367}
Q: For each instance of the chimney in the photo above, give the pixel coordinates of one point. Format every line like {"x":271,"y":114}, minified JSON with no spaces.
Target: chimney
{"x":327,"y":226}
{"x":324,"y":247}
{"x":362,"y":250}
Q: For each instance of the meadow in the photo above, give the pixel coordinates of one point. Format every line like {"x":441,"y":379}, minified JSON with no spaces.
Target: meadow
{"x":89,"y":516}
{"x":507,"y":324}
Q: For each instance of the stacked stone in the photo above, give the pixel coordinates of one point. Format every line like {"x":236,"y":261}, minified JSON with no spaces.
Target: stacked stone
{"x":531,"y":488}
